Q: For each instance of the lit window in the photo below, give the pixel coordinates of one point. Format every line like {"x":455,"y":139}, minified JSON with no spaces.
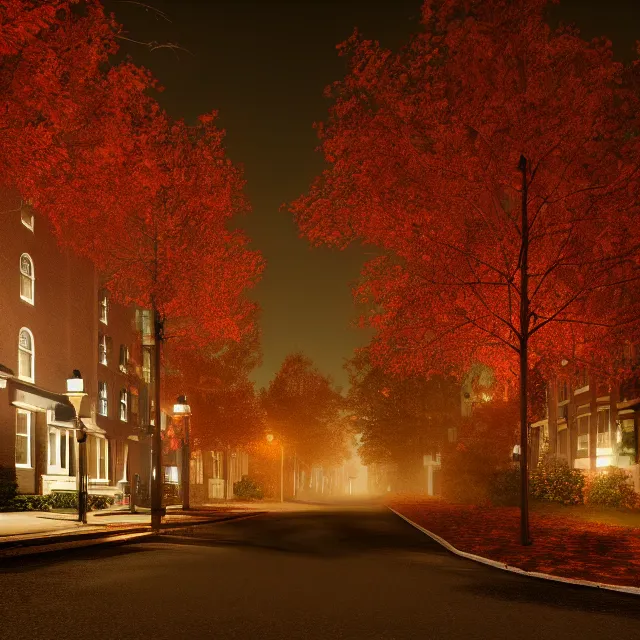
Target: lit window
{"x":604,"y":432}
{"x":26,"y":278}
{"x":123,"y":405}
{"x":23,"y":438}
{"x":98,"y":457}
{"x":102,"y":349}
{"x":103,"y":306}
{"x":25,"y":355}
{"x":26,"y":215}
{"x":103,"y":405}
{"x":146,"y":366}
{"x":124,"y":358}
{"x":583,"y":437}
{"x":58,"y":450}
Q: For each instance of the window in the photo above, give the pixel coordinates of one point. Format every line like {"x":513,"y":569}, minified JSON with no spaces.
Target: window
{"x":26,"y":215}
{"x":563,"y":448}
{"x":582,"y":379}
{"x":604,"y":432}
{"x":102,"y":349}
{"x":146,"y":365}
{"x":58,"y":450}
{"x":124,"y":358}
{"x":626,"y":437}
{"x":26,"y":278}
{"x":103,"y":306}
{"x":583,"y":437}
{"x":123,"y":405}
{"x":98,"y":458}
{"x":563,"y":390}
{"x":196,"y":468}
{"x":171,"y":475}
{"x":25,"y":355}
{"x":23,"y":438}
{"x":103,"y":403}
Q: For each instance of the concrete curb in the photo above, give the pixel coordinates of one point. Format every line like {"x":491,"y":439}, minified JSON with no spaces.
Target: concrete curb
{"x":506,"y":567}
{"x":54,"y":543}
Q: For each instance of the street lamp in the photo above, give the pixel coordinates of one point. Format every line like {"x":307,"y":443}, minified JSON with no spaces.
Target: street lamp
{"x":75,"y":393}
{"x":270,"y":438}
{"x":182,"y":410}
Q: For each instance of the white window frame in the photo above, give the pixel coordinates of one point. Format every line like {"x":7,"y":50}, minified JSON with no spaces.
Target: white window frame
{"x":124,"y":350}
{"x":24,"y":222}
{"x":104,"y":306}
{"x":31,"y":277}
{"x":100,"y":443}
{"x":56,"y":467}
{"x":103,"y":385}
{"x":21,"y":465}
{"x":103,"y":352}
{"x":124,"y":404}
{"x":32,"y":353}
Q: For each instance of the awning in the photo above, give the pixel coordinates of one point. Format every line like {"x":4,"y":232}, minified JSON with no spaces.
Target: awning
{"x":91,"y":427}
{"x":28,"y":396}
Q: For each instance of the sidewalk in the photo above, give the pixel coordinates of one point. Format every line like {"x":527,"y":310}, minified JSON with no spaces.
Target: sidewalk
{"x":580,"y":544}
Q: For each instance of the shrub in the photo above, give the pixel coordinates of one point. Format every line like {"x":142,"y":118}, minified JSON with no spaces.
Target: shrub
{"x":504,"y":486}
{"x":611,"y":488}
{"x":61,"y":500}
{"x":100,"y":502}
{"x":247,"y":489}
{"x":8,"y":486}
{"x":64,"y":500}
{"x":554,"y":481}
{"x":31,"y":503}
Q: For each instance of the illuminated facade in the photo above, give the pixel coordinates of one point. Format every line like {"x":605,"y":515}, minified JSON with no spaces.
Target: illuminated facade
{"x":55,"y":318}
{"x":590,"y":425}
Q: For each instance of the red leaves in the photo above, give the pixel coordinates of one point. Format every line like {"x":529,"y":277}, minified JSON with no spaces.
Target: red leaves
{"x":423,"y":149}
{"x":564,"y":545}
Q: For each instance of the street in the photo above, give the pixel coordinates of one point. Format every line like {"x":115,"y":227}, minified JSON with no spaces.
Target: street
{"x":347,"y":571}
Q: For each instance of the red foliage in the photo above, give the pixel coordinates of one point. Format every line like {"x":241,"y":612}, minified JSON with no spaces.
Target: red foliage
{"x":423,"y":149}
{"x":564,"y":546}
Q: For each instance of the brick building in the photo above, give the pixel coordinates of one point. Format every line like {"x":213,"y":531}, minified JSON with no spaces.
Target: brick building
{"x":589,"y":424}
{"x":55,"y":318}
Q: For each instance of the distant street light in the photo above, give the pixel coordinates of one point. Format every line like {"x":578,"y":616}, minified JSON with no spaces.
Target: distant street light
{"x":75,"y":393}
{"x":270,"y":438}
{"x":182,"y":410}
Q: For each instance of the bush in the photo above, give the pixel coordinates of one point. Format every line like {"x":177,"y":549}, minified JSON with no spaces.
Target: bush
{"x":611,"y":489}
{"x":62,"y":500}
{"x":8,"y":486}
{"x":31,"y":503}
{"x":555,"y":481}
{"x":247,"y":489}
{"x":504,"y":487}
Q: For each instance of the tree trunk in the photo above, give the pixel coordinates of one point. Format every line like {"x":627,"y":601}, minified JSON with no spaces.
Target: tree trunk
{"x":524,"y":346}
{"x":156,"y":442}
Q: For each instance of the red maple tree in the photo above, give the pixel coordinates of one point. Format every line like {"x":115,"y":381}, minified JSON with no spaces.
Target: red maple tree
{"x":494,"y":161}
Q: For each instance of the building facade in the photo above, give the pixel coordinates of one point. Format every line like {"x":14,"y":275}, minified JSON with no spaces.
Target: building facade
{"x":54,"y":319}
{"x":589,"y":424}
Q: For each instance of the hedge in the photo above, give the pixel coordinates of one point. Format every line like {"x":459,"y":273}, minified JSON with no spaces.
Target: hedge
{"x":62,"y":500}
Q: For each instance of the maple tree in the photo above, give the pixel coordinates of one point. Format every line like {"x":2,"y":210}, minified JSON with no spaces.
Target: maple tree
{"x":400,"y":418}
{"x":494,"y":161}
{"x":61,"y":91}
{"x":305,"y":410}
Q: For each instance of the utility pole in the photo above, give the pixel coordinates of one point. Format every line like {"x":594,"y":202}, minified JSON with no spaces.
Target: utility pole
{"x":524,"y":364}
{"x":157,"y":510}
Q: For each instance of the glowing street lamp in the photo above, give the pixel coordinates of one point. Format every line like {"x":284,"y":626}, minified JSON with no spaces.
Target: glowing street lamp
{"x":75,"y":393}
{"x":182,"y":410}
{"x":270,"y":438}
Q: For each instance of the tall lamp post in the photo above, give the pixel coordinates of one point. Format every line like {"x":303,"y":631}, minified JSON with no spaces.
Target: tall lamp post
{"x":75,"y":393}
{"x":182,"y":410}
{"x":270,"y":438}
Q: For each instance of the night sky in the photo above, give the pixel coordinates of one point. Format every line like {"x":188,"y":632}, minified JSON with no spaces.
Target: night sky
{"x":264,"y":66}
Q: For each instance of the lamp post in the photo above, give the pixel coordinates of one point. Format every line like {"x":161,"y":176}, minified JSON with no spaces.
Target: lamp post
{"x":270,"y":438}
{"x":75,"y":393}
{"x":182,"y":410}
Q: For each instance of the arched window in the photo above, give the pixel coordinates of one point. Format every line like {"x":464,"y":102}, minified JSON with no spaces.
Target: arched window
{"x":26,"y":278}
{"x":25,"y":355}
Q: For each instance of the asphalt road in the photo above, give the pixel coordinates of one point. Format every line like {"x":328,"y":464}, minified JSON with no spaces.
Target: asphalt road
{"x":326,"y":573}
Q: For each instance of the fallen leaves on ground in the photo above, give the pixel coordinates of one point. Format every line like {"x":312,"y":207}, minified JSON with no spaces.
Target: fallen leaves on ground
{"x":562,"y":546}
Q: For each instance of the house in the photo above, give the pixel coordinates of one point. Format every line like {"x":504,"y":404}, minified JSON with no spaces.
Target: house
{"x":55,"y":318}
{"x":590,"y":424}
